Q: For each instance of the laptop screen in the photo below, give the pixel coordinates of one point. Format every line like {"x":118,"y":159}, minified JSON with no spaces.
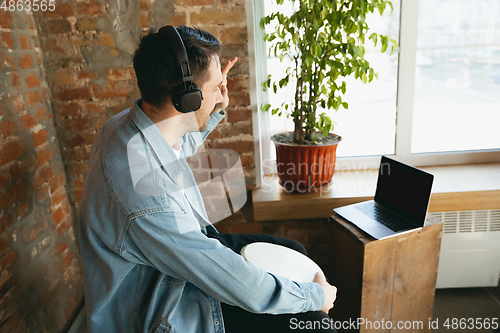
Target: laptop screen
{"x":404,"y":189}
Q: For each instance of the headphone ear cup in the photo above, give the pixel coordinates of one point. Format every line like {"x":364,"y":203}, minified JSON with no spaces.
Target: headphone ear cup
{"x":187,"y":100}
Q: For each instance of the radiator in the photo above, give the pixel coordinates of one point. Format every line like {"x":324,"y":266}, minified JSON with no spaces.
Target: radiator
{"x":470,"y":249}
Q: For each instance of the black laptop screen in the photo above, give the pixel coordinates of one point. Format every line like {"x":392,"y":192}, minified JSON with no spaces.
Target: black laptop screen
{"x":404,"y":189}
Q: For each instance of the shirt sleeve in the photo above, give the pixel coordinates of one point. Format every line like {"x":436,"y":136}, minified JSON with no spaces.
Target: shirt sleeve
{"x":216,"y":269}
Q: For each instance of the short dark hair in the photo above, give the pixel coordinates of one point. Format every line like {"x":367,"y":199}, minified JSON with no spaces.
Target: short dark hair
{"x":157,"y":70}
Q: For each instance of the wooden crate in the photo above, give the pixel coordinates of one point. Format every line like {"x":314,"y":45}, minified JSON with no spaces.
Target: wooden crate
{"x":387,"y":282}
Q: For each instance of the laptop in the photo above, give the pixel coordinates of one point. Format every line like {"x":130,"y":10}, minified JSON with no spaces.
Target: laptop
{"x":400,"y":204}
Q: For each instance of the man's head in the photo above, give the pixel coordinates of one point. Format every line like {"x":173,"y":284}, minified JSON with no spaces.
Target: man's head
{"x":158,"y":71}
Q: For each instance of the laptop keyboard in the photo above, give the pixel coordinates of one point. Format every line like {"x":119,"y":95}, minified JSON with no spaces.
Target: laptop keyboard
{"x":382,"y":217}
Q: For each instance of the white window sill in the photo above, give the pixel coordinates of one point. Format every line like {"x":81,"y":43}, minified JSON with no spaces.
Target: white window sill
{"x":457,"y":187}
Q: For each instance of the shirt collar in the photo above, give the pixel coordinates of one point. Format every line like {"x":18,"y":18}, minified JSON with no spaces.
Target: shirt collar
{"x":156,"y":141}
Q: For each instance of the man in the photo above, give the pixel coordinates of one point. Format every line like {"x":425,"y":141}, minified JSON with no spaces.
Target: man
{"x":146,"y":268}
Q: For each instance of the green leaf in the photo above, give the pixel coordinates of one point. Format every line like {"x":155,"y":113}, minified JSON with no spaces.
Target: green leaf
{"x":265,"y":107}
{"x":364,"y":78}
{"x":384,"y":47}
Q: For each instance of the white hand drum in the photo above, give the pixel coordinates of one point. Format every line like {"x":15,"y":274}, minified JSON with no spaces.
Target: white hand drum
{"x":280,"y":260}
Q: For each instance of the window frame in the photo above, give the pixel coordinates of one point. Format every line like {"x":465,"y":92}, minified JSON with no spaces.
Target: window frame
{"x":408,"y":32}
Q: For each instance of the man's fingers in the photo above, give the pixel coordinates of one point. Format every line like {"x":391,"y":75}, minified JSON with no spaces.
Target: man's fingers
{"x":228,"y":66}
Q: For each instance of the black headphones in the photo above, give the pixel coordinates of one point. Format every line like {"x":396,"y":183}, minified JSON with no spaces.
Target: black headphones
{"x":186,"y":97}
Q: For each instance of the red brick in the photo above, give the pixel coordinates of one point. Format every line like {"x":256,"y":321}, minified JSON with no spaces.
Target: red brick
{"x":4,"y":244}
{"x":144,"y":20}
{"x":195,"y":2}
{"x":58,"y":197}
{"x":12,"y":150}
{"x":7,"y":128}
{"x":239,"y":99}
{"x":64,"y":226}
{"x":12,"y":196}
{"x":6,"y":60}
{"x":234,"y":36}
{"x":237,"y":84}
{"x":94,"y":109}
{"x":58,"y":26}
{"x":247,"y":161}
{"x":78,"y":169}
{"x":62,"y":10}
{"x":58,"y":216}
{"x":120,"y":74}
{"x":26,"y":62}
{"x":89,"y":8}
{"x":178,"y":19}
{"x":25,"y":42}
{"x":42,"y":175}
{"x":215,"y":134}
{"x":44,"y":154}
{"x":6,"y":41}
{"x":43,"y":114}
{"x":74,"y":141}
{"x":238,"y":146}
{"x":5,"y":223}
{"x":234,"y":116}
{"x":144,"y":5}
{"x":42,"y":193}
{"x":57,"y":182}
{"x":5,"y":19}
{"x":23,"y":210}
{"x":34,"y":98}
{"x":86,"y":75}
{"x":32,"y":81}
{"x":230,"y":130}
{"x":66,"y":260}
{"x":8,"y":260}
{"x":214,"y":17}
{"x":78,"y":124}
{"x":32,"y":234}
{"x":113,"y":90}
{"x":17,"y":103}
{"x":68,"y":110}
{"x":72,"y":94}
{"x":28,"y":121}
{"x":77,"y":195}
{"x":79,"y":154}
{"x":59,"y":249}
{"x":16,"y":79}
{"x":40,"y":137}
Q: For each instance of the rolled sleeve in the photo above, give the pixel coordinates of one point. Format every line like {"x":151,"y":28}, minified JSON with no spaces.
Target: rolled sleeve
{"x":216,"y":269}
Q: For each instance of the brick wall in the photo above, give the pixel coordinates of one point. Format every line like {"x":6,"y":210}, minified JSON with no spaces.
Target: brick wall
{"x":62,"y":75}
{"x":40,"y":282}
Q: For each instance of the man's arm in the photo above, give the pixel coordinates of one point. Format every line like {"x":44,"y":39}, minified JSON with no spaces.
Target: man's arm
{"x":216,"y":269}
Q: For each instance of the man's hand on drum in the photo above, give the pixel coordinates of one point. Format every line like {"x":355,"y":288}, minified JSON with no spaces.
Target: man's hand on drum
{"x":330,"y":291}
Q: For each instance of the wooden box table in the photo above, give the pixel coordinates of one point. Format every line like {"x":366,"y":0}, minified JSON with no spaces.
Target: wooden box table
{"x":383,"y":284}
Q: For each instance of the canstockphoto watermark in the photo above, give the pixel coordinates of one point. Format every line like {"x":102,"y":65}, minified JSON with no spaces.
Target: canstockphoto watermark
{"x":355,"y":324}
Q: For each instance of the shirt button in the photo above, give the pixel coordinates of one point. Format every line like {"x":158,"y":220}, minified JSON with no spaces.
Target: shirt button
{"x":217,"y":322}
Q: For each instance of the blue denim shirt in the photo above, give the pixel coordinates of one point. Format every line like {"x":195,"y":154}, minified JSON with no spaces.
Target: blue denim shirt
{"x":140,"y":273}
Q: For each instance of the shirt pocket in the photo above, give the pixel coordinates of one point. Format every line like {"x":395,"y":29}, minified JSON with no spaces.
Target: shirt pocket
{"x":163,"y":328}
{"x":170,"y":281}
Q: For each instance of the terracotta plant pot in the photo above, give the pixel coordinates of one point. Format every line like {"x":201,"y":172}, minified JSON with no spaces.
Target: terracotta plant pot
{"x":306,"y":168}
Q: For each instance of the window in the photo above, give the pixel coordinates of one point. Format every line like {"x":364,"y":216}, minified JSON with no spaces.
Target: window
{"x":437,"y":100}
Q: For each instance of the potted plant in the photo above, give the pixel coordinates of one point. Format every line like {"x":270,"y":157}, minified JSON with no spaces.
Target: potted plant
{"x":324,"y":40}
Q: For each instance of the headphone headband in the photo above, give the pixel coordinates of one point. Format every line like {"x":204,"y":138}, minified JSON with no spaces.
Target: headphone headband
{"x":180,"y":51}
{"x":187,"y":96}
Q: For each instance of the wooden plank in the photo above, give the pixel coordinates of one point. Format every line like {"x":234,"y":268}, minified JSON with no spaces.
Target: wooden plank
{"x":453,"y":201}
{"x":415,"y":274}
{"x":346,"y":270}
{"x":378,"y":282}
